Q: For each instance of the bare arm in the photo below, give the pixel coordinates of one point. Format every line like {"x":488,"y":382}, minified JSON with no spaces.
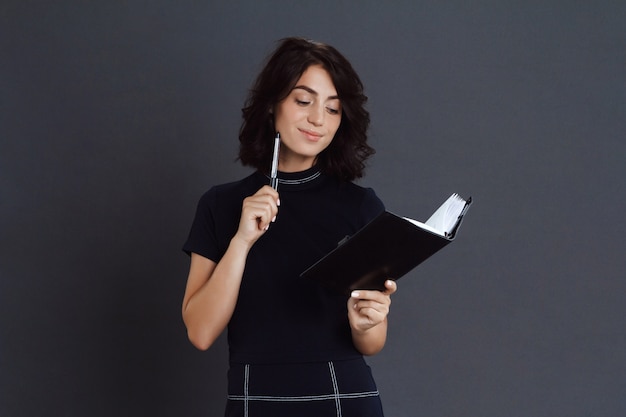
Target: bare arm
{"x":212,"y":288}
{"x":367,"y":313}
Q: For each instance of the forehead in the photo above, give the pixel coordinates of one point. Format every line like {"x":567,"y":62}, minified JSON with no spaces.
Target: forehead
{"x":316,"y":80}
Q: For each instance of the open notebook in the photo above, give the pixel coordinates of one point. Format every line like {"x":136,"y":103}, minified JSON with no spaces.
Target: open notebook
{"x":388,"y":247}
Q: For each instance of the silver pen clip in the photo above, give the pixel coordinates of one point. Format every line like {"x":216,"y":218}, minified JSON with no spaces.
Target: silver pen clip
{"x":274,"y":170}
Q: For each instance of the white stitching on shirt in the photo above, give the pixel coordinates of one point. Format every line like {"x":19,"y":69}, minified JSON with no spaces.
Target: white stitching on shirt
{"x":298,"y":181}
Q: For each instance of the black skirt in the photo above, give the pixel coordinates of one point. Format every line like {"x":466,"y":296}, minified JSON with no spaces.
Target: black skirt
{"x":318,"y":389}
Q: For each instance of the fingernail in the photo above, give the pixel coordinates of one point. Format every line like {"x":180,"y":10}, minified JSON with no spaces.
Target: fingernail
{"x":266,"y":227}
{"x":274,"y":219}
{"x":278,"y":202}
{"x":355,"y":294}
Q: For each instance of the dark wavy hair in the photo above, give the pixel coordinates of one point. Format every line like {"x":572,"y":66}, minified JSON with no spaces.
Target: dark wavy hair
{"x":345,"y":157}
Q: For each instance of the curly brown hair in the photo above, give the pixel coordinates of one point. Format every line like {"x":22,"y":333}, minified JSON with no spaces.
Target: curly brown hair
{"x":345,"y":157}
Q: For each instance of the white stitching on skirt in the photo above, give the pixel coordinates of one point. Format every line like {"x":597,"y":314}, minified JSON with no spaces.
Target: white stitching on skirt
{"x":323,"y":397}
{"x":335,"y":388}
{"x":336,"y":395}
{"x":246,"y":380}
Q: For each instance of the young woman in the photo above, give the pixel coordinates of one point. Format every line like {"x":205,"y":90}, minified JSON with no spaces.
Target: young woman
{"x":295,"y":348}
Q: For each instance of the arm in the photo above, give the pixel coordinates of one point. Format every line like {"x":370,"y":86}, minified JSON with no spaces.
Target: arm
{"x":367,"y":314}
{"x":212,"y":288}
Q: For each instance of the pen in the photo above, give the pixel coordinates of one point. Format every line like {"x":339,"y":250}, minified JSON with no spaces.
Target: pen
{"x":274,"y":170}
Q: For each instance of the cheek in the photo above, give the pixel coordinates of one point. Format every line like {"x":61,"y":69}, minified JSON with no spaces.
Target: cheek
{"x":285,"y":115}
{"x":335,"y":127}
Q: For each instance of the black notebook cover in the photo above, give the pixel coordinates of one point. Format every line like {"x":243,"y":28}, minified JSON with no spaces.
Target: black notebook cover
{"x":388,"y":247}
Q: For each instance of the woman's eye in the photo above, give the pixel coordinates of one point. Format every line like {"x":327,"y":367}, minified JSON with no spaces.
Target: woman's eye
{"x":332,"y":110}
{"x":302,"y":102}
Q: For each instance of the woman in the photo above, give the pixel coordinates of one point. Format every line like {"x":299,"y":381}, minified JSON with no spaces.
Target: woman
{"x":295,"y":349}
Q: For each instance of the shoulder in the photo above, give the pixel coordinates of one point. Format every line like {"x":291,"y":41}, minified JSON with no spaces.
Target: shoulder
{"x":217,"y":217}
{"x":366,"y":195}
{"x":232,"y":192}
{"x":364,"y":200}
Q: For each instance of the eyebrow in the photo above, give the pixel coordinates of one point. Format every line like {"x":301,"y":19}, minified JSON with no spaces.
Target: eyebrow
{"x":310,"y":90}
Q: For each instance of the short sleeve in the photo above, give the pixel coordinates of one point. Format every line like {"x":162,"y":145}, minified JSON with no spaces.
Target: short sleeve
{"x":202,"y":237}
{"x":371,"y":206}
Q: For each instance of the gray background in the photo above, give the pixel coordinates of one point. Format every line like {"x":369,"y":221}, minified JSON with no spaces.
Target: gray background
{"x":116,"y":116}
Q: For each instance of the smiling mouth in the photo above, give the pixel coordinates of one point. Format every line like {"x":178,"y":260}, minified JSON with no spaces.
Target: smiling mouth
{"x":311,"y":135}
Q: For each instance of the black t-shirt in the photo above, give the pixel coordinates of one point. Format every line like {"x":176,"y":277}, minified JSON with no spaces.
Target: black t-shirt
{"x":279,"y":316}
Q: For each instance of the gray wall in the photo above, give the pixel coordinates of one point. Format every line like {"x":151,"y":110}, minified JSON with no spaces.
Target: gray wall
{"x":116,"y":116}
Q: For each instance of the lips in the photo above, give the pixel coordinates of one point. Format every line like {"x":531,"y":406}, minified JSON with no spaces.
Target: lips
{"x":310,"y":135}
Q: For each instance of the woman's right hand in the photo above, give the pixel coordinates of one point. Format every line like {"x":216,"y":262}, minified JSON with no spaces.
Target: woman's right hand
{"x":257,"y":213}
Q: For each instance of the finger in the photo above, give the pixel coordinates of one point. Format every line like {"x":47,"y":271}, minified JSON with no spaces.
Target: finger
{"x":260,"y":206}
{"x":257,"y":216}
{"x":267,"y":190}
{"x":375,"y":300}
{"x":390,"y":287}
{"x":369,"y":295}
{"x":261,"y":197}
{"x":364,"y":305}
{"x":372,"y":315}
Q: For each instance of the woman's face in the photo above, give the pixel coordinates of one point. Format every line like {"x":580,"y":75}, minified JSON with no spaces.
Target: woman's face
{"x":307,"y":119}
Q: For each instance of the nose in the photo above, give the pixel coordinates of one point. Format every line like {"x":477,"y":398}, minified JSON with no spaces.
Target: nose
{"x":316,"y":115}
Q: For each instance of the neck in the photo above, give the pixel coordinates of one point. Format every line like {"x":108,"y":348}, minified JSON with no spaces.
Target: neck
{"x":299,"y":165}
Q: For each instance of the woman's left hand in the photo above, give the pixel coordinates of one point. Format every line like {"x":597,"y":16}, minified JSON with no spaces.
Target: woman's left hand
{"x":369,"y":308}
